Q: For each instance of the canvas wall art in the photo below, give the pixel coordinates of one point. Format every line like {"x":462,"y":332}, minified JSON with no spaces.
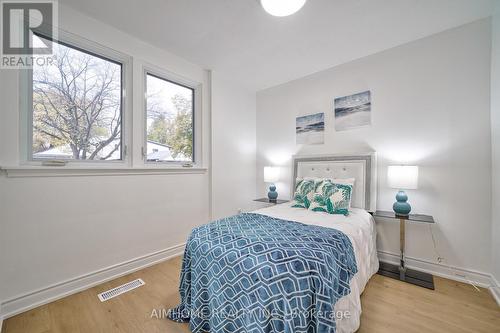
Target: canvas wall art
{"x":353,"y":111}
{"x":310,"y":129}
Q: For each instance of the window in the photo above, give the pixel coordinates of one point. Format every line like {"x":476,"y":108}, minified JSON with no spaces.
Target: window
{"x":78,"y":110}
{"x":169,"y":120}
{"x":77,"y":106}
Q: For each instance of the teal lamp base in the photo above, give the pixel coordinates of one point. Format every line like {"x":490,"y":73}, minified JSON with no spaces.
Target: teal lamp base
{"x":272,"y":194}
{"x":401,"y":207}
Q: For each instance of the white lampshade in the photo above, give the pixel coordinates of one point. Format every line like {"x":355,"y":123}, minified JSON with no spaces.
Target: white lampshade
{"x":403,"y":177}
{"x":271,"y":174}
{"x":282,"y":7}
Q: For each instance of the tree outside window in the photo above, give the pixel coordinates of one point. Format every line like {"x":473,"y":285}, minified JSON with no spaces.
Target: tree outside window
{"x":77,"y":107}
{"x":169,"y":113}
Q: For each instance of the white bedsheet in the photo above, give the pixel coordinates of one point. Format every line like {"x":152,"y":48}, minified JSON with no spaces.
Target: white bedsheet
{"x":359,"y":226}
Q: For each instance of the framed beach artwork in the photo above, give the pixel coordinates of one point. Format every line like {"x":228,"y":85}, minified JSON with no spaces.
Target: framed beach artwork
{"x":353,"y":111}
{"x":310,"y":129}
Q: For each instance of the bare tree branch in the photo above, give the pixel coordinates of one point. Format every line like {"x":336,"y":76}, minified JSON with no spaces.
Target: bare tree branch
{"x":77,"y":102}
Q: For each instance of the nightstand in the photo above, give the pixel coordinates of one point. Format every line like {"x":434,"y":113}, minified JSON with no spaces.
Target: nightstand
{"x":272,"y":202}
{"x":401,"y":272}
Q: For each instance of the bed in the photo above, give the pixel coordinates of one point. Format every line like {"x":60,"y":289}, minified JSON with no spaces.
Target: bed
{"x":284,"y":269}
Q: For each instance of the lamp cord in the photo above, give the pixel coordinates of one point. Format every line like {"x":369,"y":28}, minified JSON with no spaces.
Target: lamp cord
{"x":442,"y":261}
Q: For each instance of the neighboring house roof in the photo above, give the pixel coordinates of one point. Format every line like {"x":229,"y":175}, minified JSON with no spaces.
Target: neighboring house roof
{"x":64,"y":153}
{"x":159,"y":152}
{"x":164,"y":155}
{"x":156,"y":152}
{"x":158,"y":144}
{"x":56,"y":153}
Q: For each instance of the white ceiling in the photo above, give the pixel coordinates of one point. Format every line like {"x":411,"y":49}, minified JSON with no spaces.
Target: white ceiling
{"x":238,"y":38}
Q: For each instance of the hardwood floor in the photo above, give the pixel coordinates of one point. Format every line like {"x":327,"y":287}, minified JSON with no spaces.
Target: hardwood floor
{"x":388,"y":306}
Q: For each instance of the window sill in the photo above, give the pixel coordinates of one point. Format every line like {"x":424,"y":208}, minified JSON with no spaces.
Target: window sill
{"x":68,"y":171}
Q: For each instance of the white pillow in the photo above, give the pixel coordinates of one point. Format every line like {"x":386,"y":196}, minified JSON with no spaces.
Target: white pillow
{"x":344,"y":181}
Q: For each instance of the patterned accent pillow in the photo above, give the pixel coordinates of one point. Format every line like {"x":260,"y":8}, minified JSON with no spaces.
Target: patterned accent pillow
{"x":304,"y":192}
{"x":331,"y":198}
{"x":345,"y":181}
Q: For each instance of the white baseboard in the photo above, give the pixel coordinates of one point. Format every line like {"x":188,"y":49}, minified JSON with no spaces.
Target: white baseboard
{"x":49,"y":294}
{"x":495,"y":289}
{"x":31,"y":300}
{"x":453,"y":273}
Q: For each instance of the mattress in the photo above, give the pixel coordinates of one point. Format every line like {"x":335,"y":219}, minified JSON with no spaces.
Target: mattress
{"x":359,"y":226}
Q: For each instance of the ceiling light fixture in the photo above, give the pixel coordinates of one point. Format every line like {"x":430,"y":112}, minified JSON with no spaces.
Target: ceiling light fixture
{"x":282,"y":7}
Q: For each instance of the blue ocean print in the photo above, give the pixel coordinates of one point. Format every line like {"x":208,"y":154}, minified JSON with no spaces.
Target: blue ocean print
{"x":353,"y":111}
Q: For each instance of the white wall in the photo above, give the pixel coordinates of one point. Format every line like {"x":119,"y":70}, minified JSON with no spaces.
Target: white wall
{"x":233,"y":147}
{"x":430,"y":107}
{"x":495,"y":142}
{"x":57,"y":229}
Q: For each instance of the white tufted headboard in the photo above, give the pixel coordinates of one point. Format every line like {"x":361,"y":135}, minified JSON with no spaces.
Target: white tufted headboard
{"x":362,"y":167}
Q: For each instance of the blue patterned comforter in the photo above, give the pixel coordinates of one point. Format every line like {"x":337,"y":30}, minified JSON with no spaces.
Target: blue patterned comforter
{"x":254,"y":273}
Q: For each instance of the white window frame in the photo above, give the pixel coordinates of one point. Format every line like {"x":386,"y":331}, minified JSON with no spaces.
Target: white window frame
{"x":148,"y":69}
{"x":26,"y":106}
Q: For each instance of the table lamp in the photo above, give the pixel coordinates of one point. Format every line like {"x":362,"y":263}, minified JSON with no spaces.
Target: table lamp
{"x":271,"y":175}
{"x":402,"y":177}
